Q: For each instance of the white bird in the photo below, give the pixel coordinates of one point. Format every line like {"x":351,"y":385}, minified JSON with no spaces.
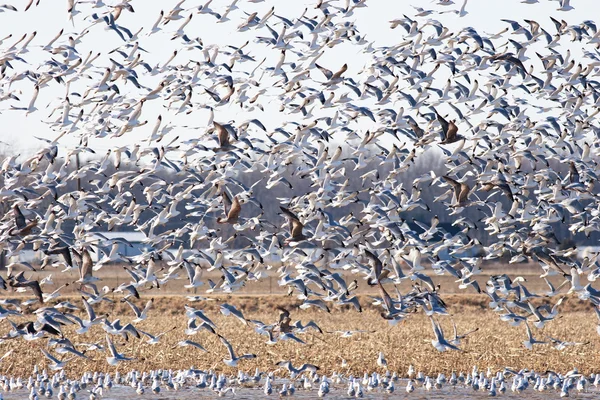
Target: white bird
{"x":185,"y":343}
{"x":140,"y":315}
{"x":530,"y":339}
{"x":114,"y":357}
{"x":56,"y":364}
{"x":232,"y":361}
{"x":565,"y":5}
{"x":440,"y":343}
{"x":31,"y":107}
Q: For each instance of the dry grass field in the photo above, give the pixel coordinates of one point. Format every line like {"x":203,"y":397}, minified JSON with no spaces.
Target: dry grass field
{"x":495,"y":345}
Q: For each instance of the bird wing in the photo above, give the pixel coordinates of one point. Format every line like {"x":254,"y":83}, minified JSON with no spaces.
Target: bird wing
{"x":451,"y":132}
{"x":288,"y":214}
{"x":20,"y":220}
{"x":89,"y":309}
{"x":222,"y":134}
{"x":227,"y":203}
{"x":549,"y":261}
{"x":35,"y":286}
{"x":258,"y":124}
{"x":443,"y":123}
{"x":76,"y":256}
{"x":190,"y":271}
{"x":228,"y":345}
{"x":64,"y":252}
{"x":150,"y":336}
{"x":50,"y":357}
{"x":455,"y":185}
{"x":339,"y":73}
{"x":377,"y":265}
{"x":148,"y":306}
{"x":387,"y":300}
{"x":284,"y":314}
{"x":235,"y":209}
{"x":464,"y":193}
{"x":313,"y":324}
{"x":197,"y":345}
{"x":507,"y":191}
{"x":131,"y":329}
{"x":310,"y":367}
{"x":328,"y":74}
{"x":111,"y":346}
{"x":529,"y":335}
{"x":86,"y":264}
{"x":416,"y":129}
{"x":133,"y":307}
{"x":573,"y":174}
{"x":436,"y":329}
{"x":296,"y":226}
{"x":190,"y":343}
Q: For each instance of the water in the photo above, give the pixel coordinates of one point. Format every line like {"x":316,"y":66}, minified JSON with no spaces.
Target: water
{"x":336,"y":392}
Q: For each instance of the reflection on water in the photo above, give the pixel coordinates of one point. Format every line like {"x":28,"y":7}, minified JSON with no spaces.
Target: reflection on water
{"x":336,"y":392}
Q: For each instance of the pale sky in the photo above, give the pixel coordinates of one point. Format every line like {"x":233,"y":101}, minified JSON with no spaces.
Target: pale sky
{"x":373,"y":21}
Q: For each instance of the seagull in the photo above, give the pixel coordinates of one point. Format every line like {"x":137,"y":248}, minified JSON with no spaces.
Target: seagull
{"x":530,"y":340}
{"x":457,"y":338}
{"x":294,"y":372}
{"x":296,"y":227}
{"x":153,"y":339}
{"x":461,"y":190}
{"x":31,"y":108}
{"x":65,"y":253}
{"x":19,"y":281}
{"x":22,"y":227}
{"x":333,"y":77}
{"x":184,"y":343}
{"x":232,"y":209}
{"x":440,"y":342}
{"x":223,"y":136}
{"x":462,"y":12}
{"x":561,"y":345}
{"x":139,"y":315}
{"x":114,"y":357}
{"x":500,"y":184}
{"x":56,"y":364}
{"x":8,"y":7}
{"x":86,"y":269}
{"x":449,"y":130}
{"x":227,"y":309}
{"x":194,"y":276}
{"x":565,"y":5}
{"x":232,"y":361}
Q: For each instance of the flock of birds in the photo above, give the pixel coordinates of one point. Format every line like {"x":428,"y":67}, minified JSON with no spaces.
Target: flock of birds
{"x":503,"y":111}
{"x":308,"y":385}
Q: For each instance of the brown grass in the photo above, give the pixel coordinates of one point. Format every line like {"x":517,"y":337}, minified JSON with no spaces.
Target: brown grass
{"x":495,"y":345}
